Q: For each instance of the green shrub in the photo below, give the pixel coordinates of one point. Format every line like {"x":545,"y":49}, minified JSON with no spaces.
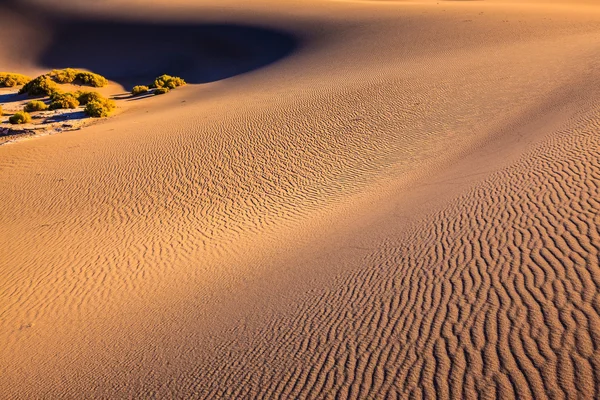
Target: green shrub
{"x":99,"y":109}
{"x":8,"y":79}
{"x":161,"y":90}
{"x":66,"y":75}
{"x":86,"y":97}
{"x":168,"y":81}
{"x":91,"y":79}
{"x":64,"y":100}
{"x":141,"y":89}
{"x":35,"y":105}
{"x":40,"y":86}
{"x":20,"y":117}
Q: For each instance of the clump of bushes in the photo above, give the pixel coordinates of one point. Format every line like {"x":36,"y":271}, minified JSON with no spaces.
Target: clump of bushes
{"x":8,"y":79}
{"x":161,"y":90}
{"x":162,"y":84}
{"x":140,"y":89}
{"x":63,"y":100}
{"x":20,"y":117}
{"x":96,"y":105}
{"x":41,"y":86}
{"x":46,"y":85}
{"x":70,"y":75}
{"x":86,"y":97}
{"x":35,"y":105}
{"x":99,"y":108}
{"x":168,"y":81}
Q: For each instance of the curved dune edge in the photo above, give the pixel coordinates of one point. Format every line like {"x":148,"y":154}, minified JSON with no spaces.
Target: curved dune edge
{"x":406,"y":206}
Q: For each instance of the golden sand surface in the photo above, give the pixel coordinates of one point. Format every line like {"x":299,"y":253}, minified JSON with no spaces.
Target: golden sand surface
{"x":350,"y":199}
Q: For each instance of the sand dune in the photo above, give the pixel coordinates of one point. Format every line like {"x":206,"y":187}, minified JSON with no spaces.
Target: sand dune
{"x":353,"y":199}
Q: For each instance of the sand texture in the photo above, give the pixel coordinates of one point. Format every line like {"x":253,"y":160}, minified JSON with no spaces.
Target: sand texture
{"x":350,"y":200}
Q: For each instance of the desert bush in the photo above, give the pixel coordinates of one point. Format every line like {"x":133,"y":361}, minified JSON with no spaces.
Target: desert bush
{"x":168,"y":81}
{"x":100,"y":108}
{"x":66,"y":75}
{"x":86,"y":97}
{"x":35,"y":105}
{"x":8,"y":79}
{"x":20,"y":117}
{"x":140,"y":89}
{"x":71,"y":75}
{"x":89,"y":78}
{"x":40,"y":86}
{"x":161,"y":90}
{"x":64,"y":100}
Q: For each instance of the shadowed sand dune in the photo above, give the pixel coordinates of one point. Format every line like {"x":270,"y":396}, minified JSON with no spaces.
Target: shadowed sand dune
{"x":403,"y":205}
{"x":201,"y":53}
{"x":145,"y":49}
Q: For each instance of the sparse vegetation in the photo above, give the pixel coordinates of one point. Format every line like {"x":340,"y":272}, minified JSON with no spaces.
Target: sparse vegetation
{"x":20,"y":117}
{"x":86,"y":97}
{"x":99,"y":108}
{"x":35,"y":105}
{"x":71,"y":75}
{"x":161,"y":85}
{"x":40,"y":86}
{"x":64,"y":101}
{"x":8,"y":79}
{"x":46,"y":85}
{"x":140,"y":89}
{"x":95,"y":105}
{"x":161,"y":90}
{"x":168,"y":81}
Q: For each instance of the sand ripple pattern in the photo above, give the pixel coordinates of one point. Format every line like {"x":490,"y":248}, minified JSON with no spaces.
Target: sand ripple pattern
{"x":496,"y":296}
{"x":193,"y":246}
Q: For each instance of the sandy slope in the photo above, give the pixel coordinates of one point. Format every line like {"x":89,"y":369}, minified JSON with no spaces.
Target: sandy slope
{"x":400,"y":200}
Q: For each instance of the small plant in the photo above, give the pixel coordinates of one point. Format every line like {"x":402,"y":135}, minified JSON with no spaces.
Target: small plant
{"x":8,"y":79}
{"x":20,"y":117}
{"x":161,"y":90}
{"x":40,"y":86}
{"x":168,"y":81}
{"x":99,"y":109}
{"x":86,"y":97}
{"x":63,"y":101}
{"x":35,"y":105}
{"x":140,"y":89}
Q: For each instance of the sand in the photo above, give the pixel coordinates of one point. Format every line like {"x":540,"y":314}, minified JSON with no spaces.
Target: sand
{"x":351,"y":199}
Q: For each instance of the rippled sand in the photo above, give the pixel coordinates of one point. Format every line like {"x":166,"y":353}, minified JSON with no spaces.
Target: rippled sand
{"x":352,"y":199}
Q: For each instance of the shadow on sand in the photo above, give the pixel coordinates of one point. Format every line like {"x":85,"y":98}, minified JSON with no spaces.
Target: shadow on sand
{"x":65,"y":116}
{"x":134,"y":53}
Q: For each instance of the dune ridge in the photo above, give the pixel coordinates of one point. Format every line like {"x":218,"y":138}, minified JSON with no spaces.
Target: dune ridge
{"x":403,"y":205}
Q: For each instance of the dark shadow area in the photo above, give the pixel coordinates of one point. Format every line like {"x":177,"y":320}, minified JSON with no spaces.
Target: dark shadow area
{"x":135,"y":53}
{"x":129,"y":97}
{"x":67,"y":116}
{"x":11,"y":97}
